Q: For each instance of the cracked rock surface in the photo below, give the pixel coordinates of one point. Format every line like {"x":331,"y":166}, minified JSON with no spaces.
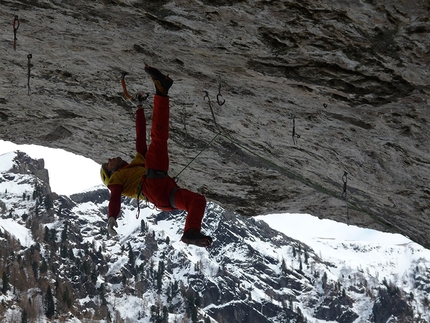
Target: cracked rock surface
{"x":353,"y":76}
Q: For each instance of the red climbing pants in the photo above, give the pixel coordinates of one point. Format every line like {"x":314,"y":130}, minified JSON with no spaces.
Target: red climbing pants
{"x":161,"y":190}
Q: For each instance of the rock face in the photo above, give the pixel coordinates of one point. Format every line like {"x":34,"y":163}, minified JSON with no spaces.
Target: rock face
{"x":24,"y":164}
{"x":349,"y":77}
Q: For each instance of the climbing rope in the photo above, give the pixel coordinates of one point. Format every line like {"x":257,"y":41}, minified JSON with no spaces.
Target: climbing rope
{"x":311,"y":184}
{"x":200,"y":152}
{"x":289,"y":173}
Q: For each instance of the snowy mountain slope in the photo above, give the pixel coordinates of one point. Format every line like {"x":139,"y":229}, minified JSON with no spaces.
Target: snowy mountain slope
{"x":253,"y":273}
{"x":349,"y":246}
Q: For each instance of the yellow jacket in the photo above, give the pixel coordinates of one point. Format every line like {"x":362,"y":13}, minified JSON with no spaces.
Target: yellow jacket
{"x":130,"y":176}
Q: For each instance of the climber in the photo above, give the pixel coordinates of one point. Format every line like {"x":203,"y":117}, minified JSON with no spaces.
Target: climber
{"x":146,"y":175}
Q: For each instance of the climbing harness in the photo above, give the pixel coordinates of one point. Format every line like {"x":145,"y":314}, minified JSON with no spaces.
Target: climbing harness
{"x":140,"y":194}
{"x":29,"y":65}
{"x":154,"y":173}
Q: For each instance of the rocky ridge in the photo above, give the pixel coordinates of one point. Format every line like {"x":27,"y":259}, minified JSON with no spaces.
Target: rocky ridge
{"x":353,"y":75}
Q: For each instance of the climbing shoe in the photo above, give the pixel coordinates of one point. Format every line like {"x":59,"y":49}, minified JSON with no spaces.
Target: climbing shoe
{"x":162,"y":82}
{"x":195,"y":237}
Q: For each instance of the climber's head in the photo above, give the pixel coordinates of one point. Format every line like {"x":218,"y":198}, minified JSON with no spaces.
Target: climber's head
{"x":109,"y":168}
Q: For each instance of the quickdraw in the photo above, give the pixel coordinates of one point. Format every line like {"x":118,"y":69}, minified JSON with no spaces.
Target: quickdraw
{"x":219,"y":96}
{"x":345,"y":182}
{"x":345,"y":187}
{"x":29,"y":65}
{"x":294,"y":135}
{"x":210,"y":106}
{"x":220,"y":100}
{"x":15,"y":27}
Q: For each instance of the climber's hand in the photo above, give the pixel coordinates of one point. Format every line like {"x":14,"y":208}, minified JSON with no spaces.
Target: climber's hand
{"x":111,"y":224}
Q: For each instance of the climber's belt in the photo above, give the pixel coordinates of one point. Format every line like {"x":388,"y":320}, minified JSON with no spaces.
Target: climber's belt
{"x":154,"y":173}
